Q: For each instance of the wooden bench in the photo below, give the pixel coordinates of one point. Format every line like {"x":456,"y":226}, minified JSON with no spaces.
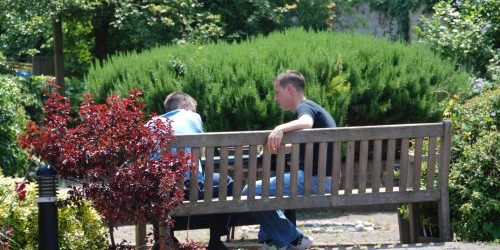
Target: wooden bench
{"x":364,"y":172}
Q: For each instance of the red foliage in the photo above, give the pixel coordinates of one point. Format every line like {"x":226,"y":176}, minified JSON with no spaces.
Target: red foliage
{"x":110,"y":150}
{"x":5,"y":234}
{"x":21,"y":190}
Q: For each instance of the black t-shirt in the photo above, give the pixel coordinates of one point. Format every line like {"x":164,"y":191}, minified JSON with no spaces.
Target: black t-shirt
{"x":322,"y":119}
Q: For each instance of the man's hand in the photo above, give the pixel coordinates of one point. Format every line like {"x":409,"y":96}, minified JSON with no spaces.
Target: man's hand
{"x":274,"y":140}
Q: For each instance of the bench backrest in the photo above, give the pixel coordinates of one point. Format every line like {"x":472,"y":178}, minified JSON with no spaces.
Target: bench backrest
{"x":371,"y":165}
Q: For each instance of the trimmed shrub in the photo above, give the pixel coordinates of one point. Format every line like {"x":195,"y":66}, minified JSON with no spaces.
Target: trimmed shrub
{"x":359,"y":79}
{"x":80,"y":226}
{"x":475,"y":168}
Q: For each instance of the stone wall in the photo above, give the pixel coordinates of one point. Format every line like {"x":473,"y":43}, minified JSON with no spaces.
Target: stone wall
{"x":361,"y":18}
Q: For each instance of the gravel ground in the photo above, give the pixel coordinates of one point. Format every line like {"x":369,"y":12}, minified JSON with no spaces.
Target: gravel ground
{"x":330,"y":230}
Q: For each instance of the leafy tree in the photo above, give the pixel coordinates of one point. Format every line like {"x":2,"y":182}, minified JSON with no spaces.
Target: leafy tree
{"x":99,"y":28}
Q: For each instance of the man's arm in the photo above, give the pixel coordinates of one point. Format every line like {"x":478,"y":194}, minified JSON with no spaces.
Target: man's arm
{"x":275,"y":137}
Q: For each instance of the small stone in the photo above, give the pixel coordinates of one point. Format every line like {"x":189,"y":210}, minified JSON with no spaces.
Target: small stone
{"x":348,"y":224}
{"x":337,"y":223}
{"x":317,"y":230}
{"x":338,"y":231}
{"x":369,"y":229}
{"x":368,"y":224}
{"x":359,"y":228}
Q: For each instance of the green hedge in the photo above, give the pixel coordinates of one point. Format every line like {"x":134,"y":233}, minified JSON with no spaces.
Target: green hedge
{"x":475,"y":168}
{"x":360,"y":79}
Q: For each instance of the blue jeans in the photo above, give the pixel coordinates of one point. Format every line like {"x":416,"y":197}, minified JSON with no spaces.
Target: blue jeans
{"x":215,"y":187}
{"x":273,"y":224}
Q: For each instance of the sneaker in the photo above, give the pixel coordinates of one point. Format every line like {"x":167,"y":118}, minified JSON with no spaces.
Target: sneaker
{"x":303,"y":243}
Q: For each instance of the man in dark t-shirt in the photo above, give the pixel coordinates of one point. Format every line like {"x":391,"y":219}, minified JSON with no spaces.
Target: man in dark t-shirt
{"x":289,"y":94}
{"x":322,"y":119}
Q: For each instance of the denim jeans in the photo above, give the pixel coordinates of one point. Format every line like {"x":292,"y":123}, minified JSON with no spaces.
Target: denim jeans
{"x":215,"y":187}
{"x":273,"y":224}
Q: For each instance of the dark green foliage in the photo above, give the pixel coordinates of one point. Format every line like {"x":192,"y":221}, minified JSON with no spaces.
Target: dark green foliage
{"x":39,"y":89}
{"x":361,"y":80}
{"x":475,"y":168}
{"x":13,"y":160}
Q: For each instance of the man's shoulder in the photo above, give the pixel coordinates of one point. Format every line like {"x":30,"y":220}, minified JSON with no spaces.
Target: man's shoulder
{"x":183,"y":114}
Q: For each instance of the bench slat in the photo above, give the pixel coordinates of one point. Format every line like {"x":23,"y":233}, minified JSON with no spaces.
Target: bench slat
{"x":280,"y":172}
{"x":389,"y":166}
{"x":308,"y":169}
{"x":377,"y":163}
{"x":363,"y":161}
{"x":209,"y":171}
{"x":294,"y":170}
{"x":318,"y":135}
{"x":417,"y":165}
{"x":252,"y":170}
{"x":349,"y":167}
{"x":322,"y":167}
{"x":323,"y":201}
{"x":238,"y":172}
{"x":193,"y":184}
{"x":266,"y":172}
{"x":431,"y":163}
{"x":403,"y":164}
{"x":224,"y":153}
{"x":336,"y":167}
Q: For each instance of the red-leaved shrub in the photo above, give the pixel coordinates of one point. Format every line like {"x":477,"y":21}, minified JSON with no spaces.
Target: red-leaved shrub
{"x":108,"y":149}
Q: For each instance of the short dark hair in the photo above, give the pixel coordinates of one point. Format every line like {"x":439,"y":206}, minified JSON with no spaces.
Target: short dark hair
{"x":174,"y":99}
{"x":292,"y":77}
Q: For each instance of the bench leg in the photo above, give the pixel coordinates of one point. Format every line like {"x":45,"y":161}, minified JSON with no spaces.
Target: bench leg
{"x":444,"y":220}
{"x":414,"y":220}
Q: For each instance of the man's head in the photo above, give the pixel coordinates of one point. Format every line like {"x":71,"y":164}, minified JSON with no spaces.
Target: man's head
{"x":289,"y":89}
{"x":179,"y":100}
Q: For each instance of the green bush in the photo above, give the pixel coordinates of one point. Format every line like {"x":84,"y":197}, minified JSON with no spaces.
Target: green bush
{"x":80,"y":226}
{"x":359,"y":79}
{"x":468,"y":31}
{"x":39,"y":88}
{"x":13,"y":160}
{"x":22,"y":100}
{"x":475,"y":168}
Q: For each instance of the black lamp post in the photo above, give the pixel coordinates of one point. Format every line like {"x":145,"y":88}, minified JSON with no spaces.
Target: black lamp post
{"x":47,"y":209}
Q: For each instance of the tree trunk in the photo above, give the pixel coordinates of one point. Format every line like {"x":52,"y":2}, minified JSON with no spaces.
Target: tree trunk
{"x":58,"y":54}
{"x":167,"y":241}
{"x":101,"y":25}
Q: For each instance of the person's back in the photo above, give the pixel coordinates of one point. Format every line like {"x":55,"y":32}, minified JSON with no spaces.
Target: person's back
{"x":181,"y":114}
